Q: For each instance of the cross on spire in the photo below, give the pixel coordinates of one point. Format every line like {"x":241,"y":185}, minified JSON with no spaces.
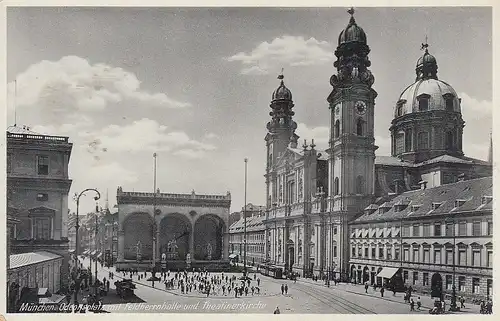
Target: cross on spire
{"x":280,"y":76}
{"x":351,"y":11}
{"x":425,"y":45}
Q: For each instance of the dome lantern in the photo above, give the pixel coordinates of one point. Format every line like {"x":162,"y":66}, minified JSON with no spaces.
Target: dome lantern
{"x":353,"y":32}
{"x":426,"y":65}
{"x":282,"y":92}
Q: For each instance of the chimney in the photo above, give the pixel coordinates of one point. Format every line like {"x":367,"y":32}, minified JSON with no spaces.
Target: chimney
{"x":423,"y":185}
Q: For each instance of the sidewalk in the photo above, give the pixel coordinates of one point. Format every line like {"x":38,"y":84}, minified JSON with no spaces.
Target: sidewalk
{"x":427,"y":302}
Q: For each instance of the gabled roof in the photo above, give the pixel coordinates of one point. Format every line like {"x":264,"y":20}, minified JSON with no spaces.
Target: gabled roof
{"x":470,"y":190}
{"x":390,"y":161}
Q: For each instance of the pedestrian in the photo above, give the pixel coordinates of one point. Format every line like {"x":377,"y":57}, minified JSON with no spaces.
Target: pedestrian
{"x":258,"y":281}
{"x":412,"y":305}
{"x":382,"y":292}
{"x":462,"y":302}
{"x":253,"y":290}
{"x":443,"y":305}
{"x":366,"y":287}
{"x":419,"y":303}
{"x":286,"y":288}
{"x":277,"y":310}
{"x":282,"y":289}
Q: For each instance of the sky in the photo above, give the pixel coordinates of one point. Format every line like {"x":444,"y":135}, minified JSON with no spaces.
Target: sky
{"x":194,"y":85}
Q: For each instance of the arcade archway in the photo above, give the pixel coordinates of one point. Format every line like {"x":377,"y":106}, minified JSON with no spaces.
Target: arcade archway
{"x":436,"y":286}
{"x":208,"y":233}
{"x":175,"y":230}
{"x":366,"y":275}
{"x":138,"y":231}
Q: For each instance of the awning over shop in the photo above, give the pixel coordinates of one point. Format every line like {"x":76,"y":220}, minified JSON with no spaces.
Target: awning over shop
{"x":387,"y":272}
{"x":93,"y":253}
{"x":233,"y":256}
{"x":99,"y":255}
{"x":85,"y":252}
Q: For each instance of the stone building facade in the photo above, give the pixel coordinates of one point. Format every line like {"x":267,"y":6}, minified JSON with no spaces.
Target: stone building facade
{"x":37,"y":193}
{"x":186,"y":228}
{"x":255,"y":236}
{"x":430,"y":239}
{"x":314,"y":196}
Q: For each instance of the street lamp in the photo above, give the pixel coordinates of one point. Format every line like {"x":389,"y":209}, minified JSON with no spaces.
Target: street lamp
{"x":153,"y":262}
{"x":245,"y":222}
{"x":77,"y":226}
{"x":453,"y":303}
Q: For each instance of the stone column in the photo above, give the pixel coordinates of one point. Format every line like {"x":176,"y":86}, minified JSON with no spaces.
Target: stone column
{"x":191,"y":242}
{"x":225,"y":245}
{"x":157,"y":244}
{"x":121,"y":245}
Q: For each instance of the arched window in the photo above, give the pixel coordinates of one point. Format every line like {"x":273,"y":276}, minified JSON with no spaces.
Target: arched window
{"x":449,"y":140}
{"x":400,"y":110}
{"x":400,"y":138}
{"x":359,"y":127}
{"x":423,"y":140}
{"x":360,"y":185}
{"x":448,"y":99}
{"x":337,"y":128}
{"x":336,"y":187}
{"x":408,"y":140}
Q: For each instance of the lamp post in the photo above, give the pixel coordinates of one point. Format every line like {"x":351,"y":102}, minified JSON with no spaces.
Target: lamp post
{"x":95,"y":260}
{"x":153,"y":276}
{"x":245,"y":223}
{"x":453,"y":303}
{"x":77,"y":226}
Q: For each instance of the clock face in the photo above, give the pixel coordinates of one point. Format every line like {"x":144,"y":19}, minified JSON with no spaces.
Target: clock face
{"x":360,"y":107}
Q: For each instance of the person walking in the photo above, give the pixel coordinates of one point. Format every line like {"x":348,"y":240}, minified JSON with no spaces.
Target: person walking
{"x":462,"y":302}
{"x":419,"y":303}
{"x":258,"y":281}
{"x":382,"y":292}
{"x":286,"y":288}
{"x":412,"y":305}
{"x":366,"y":287}
{"x":277,"y":310}
{"x":282,"y":289}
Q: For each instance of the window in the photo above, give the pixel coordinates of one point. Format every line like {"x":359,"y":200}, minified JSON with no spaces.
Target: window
{"x":425,"y":279}
{"x":406,"y":230}
{"x":337,"y":128}
{"x":334,"y":230}
{"x":335,"y":251}
{"x":380,"y":252}
{"x":461,"y":283}
{"x":423,"y":104}
{"x":449,"y":282}
{"x":359,"y":127}
{"x":462,"y":228}
{"x":449,"y":140}
{"x":360,"y":253}
{"x":476,"y":257}
{"x":353,"y":250}
{"x":437,"y":229}
{"x":400,"y":140}
{"x":360,"y":184}
{"x":462,"y":257}
{"x":405,"y":276}
{"x":437,"y":256}
{"x":389,"y":254}
{"x":426,"y":255}
{"x":416,"y":230}
{"x":476,"y":228}
{"x":43,"y":165}
{"x":475,"y":285}
{"x":423,"y":140}
{"x":397,"y":254}
{"x":449,"y":257}
{"x":490,"y":259}
{"x":489,"y":287}
{"x":490,"y":228}
{"x":406,"y":255}
{"x":336,"y":190}
{"x":427,"y":230}
{"x":41,"y":228}
{"x":366,"y":252}
{"x":449,"y":229}
{"x":415,"y":278}
{"x":9,"y":163}
{"x":374,"y":253}
{"x":408,"y":140}
{"x":449,"y":103}
{"x":42,"y":197}
{"x":416,"y":255}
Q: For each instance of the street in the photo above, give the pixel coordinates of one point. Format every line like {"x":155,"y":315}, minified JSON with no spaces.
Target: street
{"x":304,"y":296}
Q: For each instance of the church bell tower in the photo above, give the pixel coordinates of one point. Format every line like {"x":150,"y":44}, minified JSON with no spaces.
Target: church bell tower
{"x":352,"y":143}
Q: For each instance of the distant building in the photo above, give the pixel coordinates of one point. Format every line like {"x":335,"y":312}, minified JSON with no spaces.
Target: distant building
{"x":429,"y":239}
{"x":255,"y":229}
{"x":37,"y":196}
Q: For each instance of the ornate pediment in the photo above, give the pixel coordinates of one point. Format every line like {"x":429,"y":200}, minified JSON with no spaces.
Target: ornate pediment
{"x":288,"y":157}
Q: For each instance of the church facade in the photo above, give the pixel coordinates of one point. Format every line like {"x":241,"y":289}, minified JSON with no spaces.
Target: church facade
{"x":314,"y":197}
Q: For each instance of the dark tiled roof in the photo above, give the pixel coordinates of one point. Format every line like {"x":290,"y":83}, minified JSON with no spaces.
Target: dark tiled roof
{"x":23,"y":259}
{"x":390,"y":161}
{"x":470,"y":191}
{"x":254,"y":223}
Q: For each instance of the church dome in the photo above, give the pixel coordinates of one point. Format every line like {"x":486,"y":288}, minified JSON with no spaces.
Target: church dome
{"x":427,"y":58}
{"x":426,"y":95}
{"x":282,"y":92}
{"x":353,"y":32}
